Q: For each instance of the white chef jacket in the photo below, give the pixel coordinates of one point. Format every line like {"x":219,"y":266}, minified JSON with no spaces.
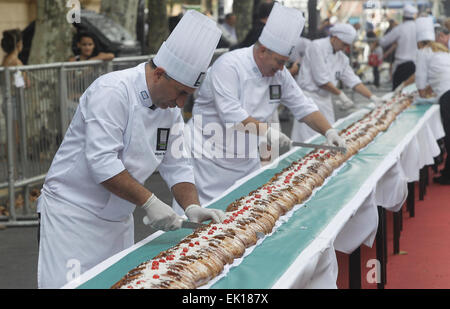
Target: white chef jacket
{"x":114,"y":129}
{"x":321,"y":65}
{"x":233,"y":90}
{"x":405,"y":36}
{"x":433,"y":69}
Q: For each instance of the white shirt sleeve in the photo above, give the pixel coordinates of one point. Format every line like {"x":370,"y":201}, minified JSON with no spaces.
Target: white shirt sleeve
{"x":391,"y":37}
{"x":320,"y":73}
{"x":175,"y":167}
{"x":294,"y":98}
{"x":224,"y":83}
{"x":105,"y":112}
{"x":421,"y":69}
{"x":348,"y":76}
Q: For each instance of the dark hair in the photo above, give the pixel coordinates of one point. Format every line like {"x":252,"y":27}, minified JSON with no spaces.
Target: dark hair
{"x":264,"y":9}
{"x":10,"y":40}
{"x":229,"y":15}
{"x":87,"y":34}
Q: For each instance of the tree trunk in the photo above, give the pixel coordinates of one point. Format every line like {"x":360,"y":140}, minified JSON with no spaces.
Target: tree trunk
{"x":52,"y":39}
{"x":124,"y":12}
{"x":244,"y":14}
{"x":158,"y":25}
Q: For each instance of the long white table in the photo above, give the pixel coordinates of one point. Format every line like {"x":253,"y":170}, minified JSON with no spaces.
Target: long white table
{"x":355,"y":224}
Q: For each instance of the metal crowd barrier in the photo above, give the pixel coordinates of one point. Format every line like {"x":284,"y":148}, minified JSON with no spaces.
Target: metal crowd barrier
{"x":33,"y":121}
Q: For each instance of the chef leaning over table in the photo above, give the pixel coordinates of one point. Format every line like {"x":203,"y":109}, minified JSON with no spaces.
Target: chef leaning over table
{"x":324,"y":65}
{"x":244,"y":87}
{"x":122,"y":131}
{"x":404,"y":35}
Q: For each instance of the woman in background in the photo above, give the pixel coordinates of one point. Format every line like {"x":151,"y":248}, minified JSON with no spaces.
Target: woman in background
{"x":88,"y":49}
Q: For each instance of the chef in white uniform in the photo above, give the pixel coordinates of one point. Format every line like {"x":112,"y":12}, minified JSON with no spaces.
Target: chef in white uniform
{"x":433,"y":71}
{"x":404,"y":35}
{"x":324,"y":65}
{"x":125,"y":128}
{"x":244,"y":87}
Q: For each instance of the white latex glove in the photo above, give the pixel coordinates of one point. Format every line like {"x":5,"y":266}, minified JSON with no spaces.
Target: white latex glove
{"x":376,"y":100}
{"x":196,"y":213}
{"x":161,"y":216}
{"x":274,"y":137}
{"x":344,"y":102}
{"x":333,"y":138}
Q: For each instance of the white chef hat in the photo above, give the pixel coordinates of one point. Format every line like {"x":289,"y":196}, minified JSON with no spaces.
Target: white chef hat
{"x":187,"y":53}
{"x":425,"y":29}
{"x":345,"y":32}
{"x":282,"y":30}
{"x":409,"y":11}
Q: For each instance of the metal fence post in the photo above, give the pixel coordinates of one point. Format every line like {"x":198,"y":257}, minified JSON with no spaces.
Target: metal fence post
{"x":23,"y":133}
{"x":109,"y":66}
{"x":10,"y":140}
{"x":63,"y":100}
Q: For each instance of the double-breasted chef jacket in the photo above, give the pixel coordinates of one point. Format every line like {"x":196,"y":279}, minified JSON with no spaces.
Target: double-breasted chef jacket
{"x":320,"y":66}
{"x":234,"y":89}
{"x":115,"y":127}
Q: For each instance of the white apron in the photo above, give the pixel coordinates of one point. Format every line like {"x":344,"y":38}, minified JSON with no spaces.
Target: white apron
{"x":73,"y":240}
{"x":301,"y":132}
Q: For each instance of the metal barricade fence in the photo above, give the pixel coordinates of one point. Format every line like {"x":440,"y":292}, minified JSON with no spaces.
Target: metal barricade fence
{"x":33,"y":121}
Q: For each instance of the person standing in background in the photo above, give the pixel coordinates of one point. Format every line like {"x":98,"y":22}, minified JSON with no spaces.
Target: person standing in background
{"x":375,"y":57}
{"x":404,"y":35}
{"x":229,"y":29}
{"x":253,"y":35}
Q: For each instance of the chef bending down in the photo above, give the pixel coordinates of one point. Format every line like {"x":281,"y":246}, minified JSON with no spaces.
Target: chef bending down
{"x":324,"y":65}
{"x":244,"y":87}
{"x":120,"y":134}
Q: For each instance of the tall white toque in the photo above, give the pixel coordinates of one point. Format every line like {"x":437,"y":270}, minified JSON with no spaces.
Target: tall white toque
{"x":409,"y":11}
{"x":282,"y":30}
{"x":425,"y":29}
{"x":188,"y":51}
{"x":344,"y":32}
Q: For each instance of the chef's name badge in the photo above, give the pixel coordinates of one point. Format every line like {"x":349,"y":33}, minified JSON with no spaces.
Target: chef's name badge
{"x":275,"y":93}
{"x":162,"y":139}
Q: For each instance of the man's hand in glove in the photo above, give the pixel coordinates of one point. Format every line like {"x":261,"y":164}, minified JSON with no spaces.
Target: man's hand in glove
{"x":161,"y":216}
{"x":333,"y":138}
{"x":275,"y":137}
{"x":376,"y":100}
{"x":344,"y":102}
{"x":196,"y":213}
